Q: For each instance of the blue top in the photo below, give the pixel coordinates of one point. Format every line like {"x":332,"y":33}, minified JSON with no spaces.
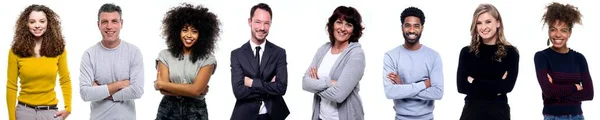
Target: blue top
{"x":412,"y":100}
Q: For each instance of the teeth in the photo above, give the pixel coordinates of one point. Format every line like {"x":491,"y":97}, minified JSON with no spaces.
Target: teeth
{"x":188,"y":41}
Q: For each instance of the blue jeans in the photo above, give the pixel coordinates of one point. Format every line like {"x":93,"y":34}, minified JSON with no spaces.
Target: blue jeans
{"x":563,"y":117}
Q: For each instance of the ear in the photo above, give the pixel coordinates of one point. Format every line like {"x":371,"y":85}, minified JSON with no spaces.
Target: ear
{"x":499,"y":23}
{"x":250,"y":22}
{"x":121,"y":23}
{"x":98,"y":24}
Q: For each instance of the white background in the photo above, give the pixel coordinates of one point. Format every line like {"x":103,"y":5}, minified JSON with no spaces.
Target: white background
{"x":299,"y":27}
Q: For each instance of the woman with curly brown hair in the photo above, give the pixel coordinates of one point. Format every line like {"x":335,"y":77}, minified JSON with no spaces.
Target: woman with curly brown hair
{"x":562,"y":73}
{"x":185,"y":68}
{"x":36,"y":55}
{"x":487,"y":68}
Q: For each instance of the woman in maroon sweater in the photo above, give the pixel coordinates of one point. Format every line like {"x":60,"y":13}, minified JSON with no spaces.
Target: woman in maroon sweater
{"x":563,"y":74}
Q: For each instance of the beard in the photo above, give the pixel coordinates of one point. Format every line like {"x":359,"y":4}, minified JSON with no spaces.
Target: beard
{"x":411,"y":41}
{"x":257,"y":37}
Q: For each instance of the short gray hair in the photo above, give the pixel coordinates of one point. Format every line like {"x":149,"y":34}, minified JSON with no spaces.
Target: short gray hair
{"x":110,"y":7}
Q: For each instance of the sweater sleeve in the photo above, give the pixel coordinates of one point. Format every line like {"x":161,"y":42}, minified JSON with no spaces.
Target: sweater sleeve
{"x":65,"y":80}
{"x":462,"y":84}
{"x":436,"y":91}
{"x":86,"y":78}
{"x":550,"y":90}
{"x":136,"y":75}
{"x":11,"y":85}
{"x":311,"y":84}
{"x":586,"y":80}
{"x":349,"y":78}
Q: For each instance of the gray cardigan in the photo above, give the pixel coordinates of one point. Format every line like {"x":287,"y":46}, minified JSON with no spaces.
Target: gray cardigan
{"x":348,"y":70}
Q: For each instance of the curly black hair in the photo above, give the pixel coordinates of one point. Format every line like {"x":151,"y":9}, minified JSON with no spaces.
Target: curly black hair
{"x":412,"y":11}
{"x":198,"y":17}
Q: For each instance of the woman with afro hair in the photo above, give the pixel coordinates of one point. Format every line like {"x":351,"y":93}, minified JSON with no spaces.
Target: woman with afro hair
{"x":36,"y":56}
{"x":185,"y":68}
{"x":562,"y":73}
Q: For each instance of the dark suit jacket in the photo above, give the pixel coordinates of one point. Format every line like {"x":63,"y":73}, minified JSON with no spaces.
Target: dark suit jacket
{"x":273,"y":64}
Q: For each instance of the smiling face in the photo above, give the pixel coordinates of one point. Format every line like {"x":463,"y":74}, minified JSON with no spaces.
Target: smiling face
{"x":189,"y":36}
{"x":37,"y":23}
{"x":412,"y":29}
{"x":260,"y":24}
{"x":559,"y":33}
{"x":342,"y":30}
{"x":110,"y":24}
{"x":487,"y":26}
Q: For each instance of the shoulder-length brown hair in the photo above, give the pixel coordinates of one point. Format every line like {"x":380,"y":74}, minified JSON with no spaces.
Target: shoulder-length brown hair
{"x":52,"y":40}
{"x":476,"y":39}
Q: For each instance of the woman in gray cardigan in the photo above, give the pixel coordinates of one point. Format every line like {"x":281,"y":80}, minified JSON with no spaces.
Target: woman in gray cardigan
{"x":337,"y":68}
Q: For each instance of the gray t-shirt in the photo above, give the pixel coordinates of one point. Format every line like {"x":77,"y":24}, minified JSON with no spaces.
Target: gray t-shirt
{"x":183,"y":71}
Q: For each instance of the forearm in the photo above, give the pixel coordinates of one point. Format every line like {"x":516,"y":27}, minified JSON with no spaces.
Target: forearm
{"x":93,"y":93}
{"x":552,"y":90}
{"x":587,"y":93}
{"x":11,"y":100}
{"x":133,"y":91}
{"x":66,"y":89}
{"x":314,"y":85}
{"x":271,"y":88}
{"x":402,"y":91}
{"x":188,"y":90}
{"x":347,"y":81}
{"x":431,"y":93}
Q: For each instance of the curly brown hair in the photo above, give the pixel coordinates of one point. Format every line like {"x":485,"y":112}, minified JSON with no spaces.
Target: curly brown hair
{"x":476,"y":39}
{"x":52,"y":40}
{"x":563,"y":13}
{"x":557,"y":12}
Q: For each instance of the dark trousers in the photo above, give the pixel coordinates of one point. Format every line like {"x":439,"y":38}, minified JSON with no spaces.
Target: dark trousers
{"x":485,"y":110}
{"x":264,"y":117}
{"x":181,"y":108}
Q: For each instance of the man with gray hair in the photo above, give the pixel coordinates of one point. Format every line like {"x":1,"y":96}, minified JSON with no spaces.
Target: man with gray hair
{"x":111,"y":72}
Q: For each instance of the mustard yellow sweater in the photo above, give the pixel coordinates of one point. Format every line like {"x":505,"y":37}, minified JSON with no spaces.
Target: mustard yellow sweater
{"x":38,"y":79}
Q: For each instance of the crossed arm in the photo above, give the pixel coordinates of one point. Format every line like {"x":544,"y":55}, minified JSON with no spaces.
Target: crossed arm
{"x":197,"y":88}
{"x":122,"y":90}
{"x":244,"y":87}
{"x":429,"y":89}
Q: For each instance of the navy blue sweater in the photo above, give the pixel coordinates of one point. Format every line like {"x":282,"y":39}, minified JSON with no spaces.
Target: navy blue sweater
{"x":566,"y":69}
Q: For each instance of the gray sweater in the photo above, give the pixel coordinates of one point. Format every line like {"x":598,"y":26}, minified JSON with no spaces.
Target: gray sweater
{"x":107,"y":66}
{"x":412,"y":100}
{"x":348,"y":71}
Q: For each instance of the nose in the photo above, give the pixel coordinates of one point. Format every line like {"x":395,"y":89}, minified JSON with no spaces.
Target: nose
{"x":37,"y":25}
{"x":261,"y":27}
{"x":557,"y":35}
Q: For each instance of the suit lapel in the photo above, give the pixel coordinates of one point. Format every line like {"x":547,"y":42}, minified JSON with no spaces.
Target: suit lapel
{"x":266,"y":56}
{"x":250,"y":57}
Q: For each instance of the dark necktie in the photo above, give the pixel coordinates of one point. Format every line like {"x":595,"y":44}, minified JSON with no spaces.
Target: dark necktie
{"x":257,"y":57}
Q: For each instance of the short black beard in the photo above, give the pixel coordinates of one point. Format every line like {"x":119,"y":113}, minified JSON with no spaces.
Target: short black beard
{"x":408,"y":41}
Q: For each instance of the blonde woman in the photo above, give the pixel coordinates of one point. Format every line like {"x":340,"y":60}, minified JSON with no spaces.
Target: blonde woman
{"x":487,"y":68}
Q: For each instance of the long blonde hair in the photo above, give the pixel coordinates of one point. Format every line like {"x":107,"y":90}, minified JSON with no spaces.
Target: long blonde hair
{"x":476,"y":39}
